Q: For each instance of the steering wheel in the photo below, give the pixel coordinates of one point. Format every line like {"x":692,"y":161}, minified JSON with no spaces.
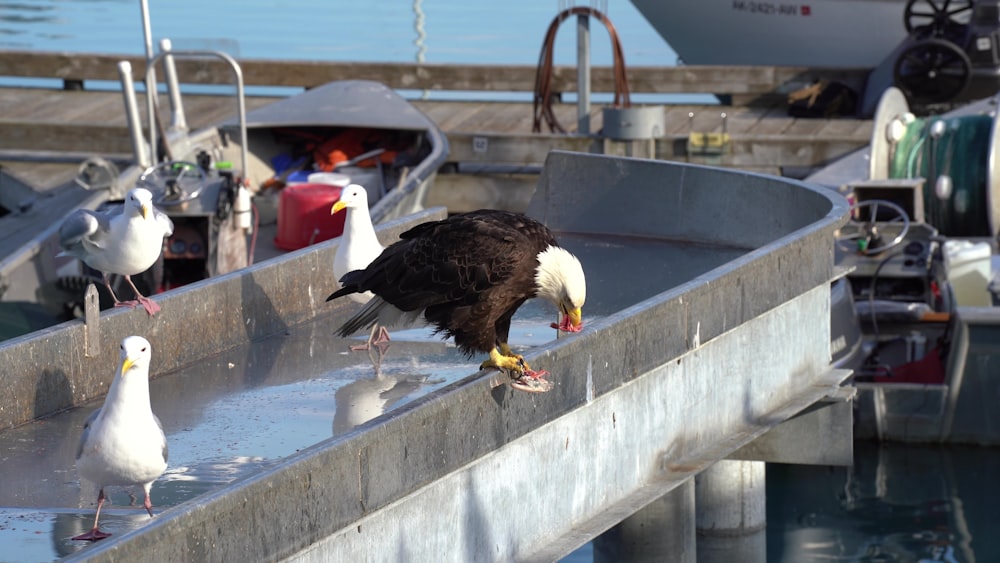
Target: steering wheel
{"x":868,"y":240}
{"x":932,"y":71}
{"x":936,"y":18}
{"x":174,"y":182}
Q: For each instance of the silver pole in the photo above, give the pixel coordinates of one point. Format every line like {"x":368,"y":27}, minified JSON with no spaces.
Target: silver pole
{"x":150,"y":81}
{"x":132,"y":114}
{"x":583,"y":74}
{"x":177,"y":119}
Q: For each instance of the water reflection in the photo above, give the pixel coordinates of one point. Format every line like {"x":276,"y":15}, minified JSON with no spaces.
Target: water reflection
{"x":897,"y":503}
{"x":368,"y":397}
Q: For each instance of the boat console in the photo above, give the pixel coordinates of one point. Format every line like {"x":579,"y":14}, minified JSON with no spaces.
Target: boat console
{"x":898,"y":281}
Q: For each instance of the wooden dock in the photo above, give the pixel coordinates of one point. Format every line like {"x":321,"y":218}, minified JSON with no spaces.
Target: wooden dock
{"x":73,"y":118}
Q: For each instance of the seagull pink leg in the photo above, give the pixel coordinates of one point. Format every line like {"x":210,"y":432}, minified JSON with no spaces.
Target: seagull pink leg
{"x":148,"y":504}
{"x":151,"y":307}
{"x":379,"y":337}
{"x":107,"y":284}
{"x":95,"y":534}
{"x":382,"y":337}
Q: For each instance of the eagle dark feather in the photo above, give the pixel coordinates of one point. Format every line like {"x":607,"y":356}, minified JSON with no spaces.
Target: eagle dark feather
{"x":468,"y":273}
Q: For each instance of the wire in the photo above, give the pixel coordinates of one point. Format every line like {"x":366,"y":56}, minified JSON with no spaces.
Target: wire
{"x":543,"y":76}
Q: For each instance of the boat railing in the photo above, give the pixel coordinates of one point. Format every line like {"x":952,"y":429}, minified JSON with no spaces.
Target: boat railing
{"x":178,"y":122}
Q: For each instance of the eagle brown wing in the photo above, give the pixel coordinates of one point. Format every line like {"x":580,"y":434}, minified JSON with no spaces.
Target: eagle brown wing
{"x":466,"y":272}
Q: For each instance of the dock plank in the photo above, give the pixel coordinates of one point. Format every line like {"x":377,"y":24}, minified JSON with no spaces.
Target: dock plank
{"x":762,"y":137}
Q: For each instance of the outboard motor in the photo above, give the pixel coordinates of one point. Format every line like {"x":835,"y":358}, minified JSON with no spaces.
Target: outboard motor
{"x":952,"y":53}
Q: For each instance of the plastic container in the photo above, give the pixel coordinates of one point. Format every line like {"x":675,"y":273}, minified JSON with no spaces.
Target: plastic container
{"x":968,"y":265}
{"x":330,"y":178}
{"x":304,"y":215}
{"x":298,"y":177}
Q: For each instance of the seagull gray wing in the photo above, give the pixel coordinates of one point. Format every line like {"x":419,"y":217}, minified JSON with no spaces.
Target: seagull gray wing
{"x":163,"y":437}
{"x":86,"y":431}
{"x":163,"y":220}
{"x":84,"y":224}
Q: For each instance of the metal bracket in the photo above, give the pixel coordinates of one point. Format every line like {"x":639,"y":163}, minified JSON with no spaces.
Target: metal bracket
{"x":91,"y":319}
{"x":702,"y":143}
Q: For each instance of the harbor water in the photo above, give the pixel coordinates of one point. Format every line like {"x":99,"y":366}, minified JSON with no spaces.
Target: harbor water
{"x":897,"y":503}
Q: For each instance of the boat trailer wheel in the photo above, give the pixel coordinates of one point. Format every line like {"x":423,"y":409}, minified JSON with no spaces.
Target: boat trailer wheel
{"x":932,"y":71}
{"x":868,"y":231}
{"x":934,"y":17}
{"x":173,"y":182}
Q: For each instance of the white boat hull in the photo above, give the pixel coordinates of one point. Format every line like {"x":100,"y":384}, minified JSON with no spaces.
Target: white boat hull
{"x":829,"y":33}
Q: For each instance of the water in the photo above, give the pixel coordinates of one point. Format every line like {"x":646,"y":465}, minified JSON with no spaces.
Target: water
{"x":433,"y":31}
{"x":896,"y":504}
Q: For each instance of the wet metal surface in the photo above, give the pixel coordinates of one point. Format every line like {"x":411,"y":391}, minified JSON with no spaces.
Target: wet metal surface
{"x":240,"y":412}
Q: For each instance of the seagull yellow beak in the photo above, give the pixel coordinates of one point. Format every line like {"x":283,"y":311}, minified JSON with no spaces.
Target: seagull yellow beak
{"x":146,"y":211}
{"x":126,"y":365}
{"x":339,"y":206}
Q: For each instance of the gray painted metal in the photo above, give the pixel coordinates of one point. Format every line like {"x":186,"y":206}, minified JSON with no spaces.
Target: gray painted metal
{"x":645,"y":398}
{"x":823,"y":434}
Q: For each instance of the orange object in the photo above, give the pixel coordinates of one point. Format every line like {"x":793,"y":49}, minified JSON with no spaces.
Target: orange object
{"x":349,"y":144}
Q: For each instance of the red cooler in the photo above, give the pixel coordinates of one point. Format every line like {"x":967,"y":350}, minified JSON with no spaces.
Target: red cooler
{"x":304,"y":215}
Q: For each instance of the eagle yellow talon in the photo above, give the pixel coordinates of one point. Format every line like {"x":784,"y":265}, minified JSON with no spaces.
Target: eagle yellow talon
{"x":504,"y":359}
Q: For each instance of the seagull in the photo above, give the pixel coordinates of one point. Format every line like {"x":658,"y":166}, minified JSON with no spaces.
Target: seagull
{"x":123,"y":442}
{"x":125,"y":242}
{"x":358,"y":247}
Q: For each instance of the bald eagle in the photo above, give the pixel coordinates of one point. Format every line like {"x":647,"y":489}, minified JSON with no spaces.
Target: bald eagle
{"x":466,"y":276}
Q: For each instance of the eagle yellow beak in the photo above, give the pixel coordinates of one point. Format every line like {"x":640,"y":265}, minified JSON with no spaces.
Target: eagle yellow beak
{"x":571,"y":321}
{"x":146,"y":211}
{"x":575,"y":318}
{"x":340,"y":205}
{"x":126,"y":365}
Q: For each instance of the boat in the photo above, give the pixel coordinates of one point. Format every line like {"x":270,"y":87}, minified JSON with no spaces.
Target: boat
{"x":915,"y":310}
{"x":936,"y":52}
{"x":250,"y":188}
{"x":833,"y":33}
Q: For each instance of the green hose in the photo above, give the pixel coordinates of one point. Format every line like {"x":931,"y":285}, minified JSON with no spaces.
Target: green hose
{"x":961,"y":152}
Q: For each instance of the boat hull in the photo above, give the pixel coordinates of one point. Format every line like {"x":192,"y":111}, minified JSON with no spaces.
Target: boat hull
{"x":833,"y":33}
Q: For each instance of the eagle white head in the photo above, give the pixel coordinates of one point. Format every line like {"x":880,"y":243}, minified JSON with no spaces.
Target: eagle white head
{"x":560,"y":279}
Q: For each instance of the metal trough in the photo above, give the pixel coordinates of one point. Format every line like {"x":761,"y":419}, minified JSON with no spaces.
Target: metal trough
{"x":649,"y":394}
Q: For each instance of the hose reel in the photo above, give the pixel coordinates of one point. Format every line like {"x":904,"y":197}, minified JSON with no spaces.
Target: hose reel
{"x":956,"y":154}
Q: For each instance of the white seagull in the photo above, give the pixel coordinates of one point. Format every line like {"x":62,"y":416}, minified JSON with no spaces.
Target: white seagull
{"x":124,"y":242}
{"x":123,"y":442}
{"x":358,"y":247}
